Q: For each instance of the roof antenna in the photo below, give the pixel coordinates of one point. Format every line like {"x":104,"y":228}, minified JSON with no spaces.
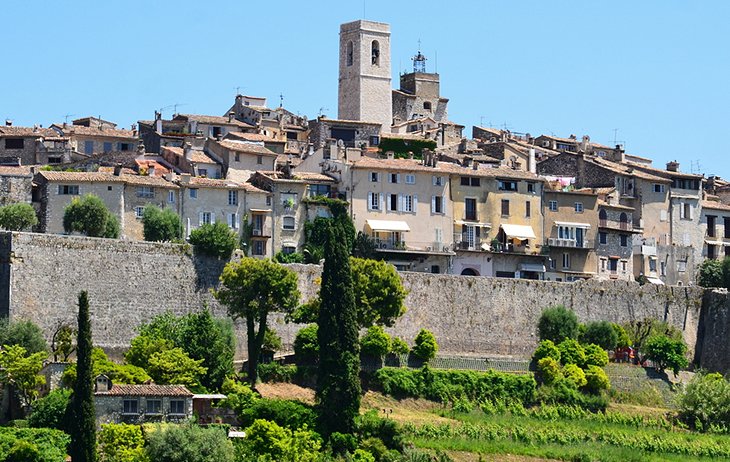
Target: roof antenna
{"x":281,"y":99}
{"x":66,"y":117}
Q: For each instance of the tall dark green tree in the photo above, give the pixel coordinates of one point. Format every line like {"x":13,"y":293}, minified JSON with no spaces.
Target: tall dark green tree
{"x":83,"y":423}
{"x":338,"y":382}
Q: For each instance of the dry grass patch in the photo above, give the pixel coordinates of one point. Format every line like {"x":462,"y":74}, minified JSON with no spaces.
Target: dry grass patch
{"x":286,"y":391}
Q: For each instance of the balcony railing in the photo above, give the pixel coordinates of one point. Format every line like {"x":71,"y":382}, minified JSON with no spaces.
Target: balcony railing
{"x":462,"y":242}
{"x":261,"y":231}
{"x":436,"y":247}
{"x":572,"y":243}
{"x":622,"y":225}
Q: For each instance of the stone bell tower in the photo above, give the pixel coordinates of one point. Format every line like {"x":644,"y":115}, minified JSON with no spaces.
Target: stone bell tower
{"x":365,"y":76}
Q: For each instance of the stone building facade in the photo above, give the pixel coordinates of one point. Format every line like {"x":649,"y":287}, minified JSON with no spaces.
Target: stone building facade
{"x":16,"y":185}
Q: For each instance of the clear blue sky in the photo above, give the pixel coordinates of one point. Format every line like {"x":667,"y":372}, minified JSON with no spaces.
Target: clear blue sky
{"x":656,"y":70}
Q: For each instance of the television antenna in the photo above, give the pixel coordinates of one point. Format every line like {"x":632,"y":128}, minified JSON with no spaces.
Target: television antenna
{"x":322,"y":110}
{"x":65,"y":117}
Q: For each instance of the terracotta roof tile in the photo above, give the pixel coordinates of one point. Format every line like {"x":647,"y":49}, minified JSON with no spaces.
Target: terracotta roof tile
{"x":27,"y":132}
{"x":715,"y":205}
{"x":251,"y":148}
{"x":15,"y":171}
{"x":213,"y":120}
{"x":146,"y":390}
{"x":196,"y":155}
{"x":106,"y":177}
{"x":442,"y":167}
{"x":250,"y":137}
{"x":71,"y":130}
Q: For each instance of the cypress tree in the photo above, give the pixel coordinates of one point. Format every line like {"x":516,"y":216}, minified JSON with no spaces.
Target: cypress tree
{"x":83,"y":422}
{"x":338,"y":381}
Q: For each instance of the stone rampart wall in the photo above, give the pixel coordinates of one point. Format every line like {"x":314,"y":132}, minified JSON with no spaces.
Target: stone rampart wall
{"x":129,"y":283}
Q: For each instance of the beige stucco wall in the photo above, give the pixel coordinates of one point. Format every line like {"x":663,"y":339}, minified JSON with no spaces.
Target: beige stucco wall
{"x":112,"y":193}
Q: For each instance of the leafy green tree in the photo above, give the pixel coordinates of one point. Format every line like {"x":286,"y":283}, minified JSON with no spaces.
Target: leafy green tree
{"x":375,"y":342}
{"x":252,"y":289}
{"x":601,"y":333}
{"x":24,"y":451}
{"x":268,"y":441}
{"x":623,"y":339}
{"x":546,"y":349}
{"x":20,"y":371}
{"x":63,"y":342}
{"x":88,"y":215}
{"x":595,"y":355}
{"x":667,"y":353}
{"x":216,"y":240}
{"x":23,"y":333}
{"x":83,"y":416}
{"x":364,"y":246}
{"x":425,"y":346}
{"x":338,"y":381}
{"x":306,"y":346}
{"x":571,"y":352}
{"x":50,"y":411}
{"x":557,"y":324}
{"x":710,"y":274}
{"x":641,"y":330}
{"x":121,"y":443}
{"x":379,"y":295}
{"x":17,"y":217}
{"x":161,"y":224}
{"x":199,"y":334}
{"x":705,"y":402}
{"x":272,"y":341}
{"x":175,"y":367}
{"x":189,"y":443}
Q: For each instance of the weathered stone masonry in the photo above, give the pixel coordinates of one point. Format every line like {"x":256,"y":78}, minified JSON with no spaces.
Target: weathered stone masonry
{"x":128,"y":283}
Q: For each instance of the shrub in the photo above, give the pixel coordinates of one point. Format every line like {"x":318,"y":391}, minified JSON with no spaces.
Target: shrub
{"x":557,"y":324}
{"x":272,"y":341}
{"x":564,"y":392}
{"x":375,"y":342}
{"x":425,"y":346}
{"x":595,"y":355}
{"x":275,"y":372}
{"x":443,"y":385}
{"x":88,"y":215}
{"x":306,"y":345}
{"x":17,"y":217}
{"x":548,"y":371}
{"x":342,"y":443}
{"x":294,"y":257}
{"x":216,"y":240}
{"x":575,"y":375}
{"x":23,"y":451}
{"x":50,"y":444}
{"x":546,"y":349}
{"x":286,"y":413}
{"x":596,"y":380}
{"x":189,"y":443}
{"x":121,"y":443}
{"x":667,"y":353}
{"x":386,"y":431}
{"x":571,"y":352}
{"x":49,"y":411}
{"x":398,"y":346}
{"x":23,"y":333}
{"x":704,"y":404}
{"x":601,"y":333}
{"x":361,"y":455}
{"x":161,"y":224}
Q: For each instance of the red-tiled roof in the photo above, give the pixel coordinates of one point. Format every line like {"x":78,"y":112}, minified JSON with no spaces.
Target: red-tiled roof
{"x":71,"y":130}
{"x":197,"y":156}
{"x":212,"y":120}
{"x":251,"y":148}
{"x":27,"y":132}
{"x":146,"y":390}
{"x":715,"y":205}
{"x":105,"y":177}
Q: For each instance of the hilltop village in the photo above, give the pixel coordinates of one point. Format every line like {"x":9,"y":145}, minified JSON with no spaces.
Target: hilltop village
{"x":428,"y":195}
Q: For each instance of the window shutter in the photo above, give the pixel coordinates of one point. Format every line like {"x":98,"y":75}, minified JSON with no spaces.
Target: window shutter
{"x":401,"y":205}
{"x":681,"y":210}
{"x":200,"y":219}
{"x":433,"y":180}
{"x":212,"y":218}
{"x":397,"y":177}
{"x":691,"y":212}
{"x":443,"y":204}
{"x":234,"y":217}
{"x":380,"y":202}
{"x":390,"y":178}
{"x":433,"y":204}
{"x":370,"y":201}
{"x":477,"y":231}
{"x":415,"y":203}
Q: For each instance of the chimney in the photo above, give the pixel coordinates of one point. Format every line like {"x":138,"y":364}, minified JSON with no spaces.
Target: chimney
{"x":117,"y":169}
{"x":619,"y":154}
{"x":8,"y":123}
{"x":573,"y":137}
{"x":65,"y":125}
{"x":467,"y":161}
{"x":410,"y":155}
{"x":585,"y":143}
{"x":141,"y":148}
{"x":187,"y":151}
{"x":230,"y":116}
{"x":531,"y":161}
{"x":673,"y":166}
{"x":185,"y":178}
{"x":390,"y":155}
{"x":150,"y":169}
{"x":169,"y":176}
{"x":475,"y":165}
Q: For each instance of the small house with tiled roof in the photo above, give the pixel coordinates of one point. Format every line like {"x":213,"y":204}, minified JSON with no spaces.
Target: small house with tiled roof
{"x":92,"y":136}
{"x":32,"y":146}
{"x":138,"y":404}
{"x":241,"y":156}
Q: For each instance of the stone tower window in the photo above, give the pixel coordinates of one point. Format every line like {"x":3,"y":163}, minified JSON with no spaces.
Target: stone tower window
{"x":427,"y":105}
{"x":375,"y":48}
{"x":350,"y":53}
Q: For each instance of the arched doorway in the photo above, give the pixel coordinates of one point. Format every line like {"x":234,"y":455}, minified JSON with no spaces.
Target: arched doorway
{"x":469,"y":272}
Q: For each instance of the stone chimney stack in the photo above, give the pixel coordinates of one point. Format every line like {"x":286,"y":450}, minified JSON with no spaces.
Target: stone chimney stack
{"x":185,"y":178}
{"x":673,"y":166}
{"x":187,"y":151}
{"x":531,"y":161}
{"x":151,"y":169}
{"x":117,"y":169}
{"x":619,"y":154}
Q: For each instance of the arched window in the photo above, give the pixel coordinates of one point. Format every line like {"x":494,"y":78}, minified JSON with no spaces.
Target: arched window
{"x":289,"y":223}
{"x":623,"y":218}
{"x":469,"y":272}
{"x":375,"y":53}
{"x":602,"y":217}
{"x":350,"y":53}
{"x":427,"y":105}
